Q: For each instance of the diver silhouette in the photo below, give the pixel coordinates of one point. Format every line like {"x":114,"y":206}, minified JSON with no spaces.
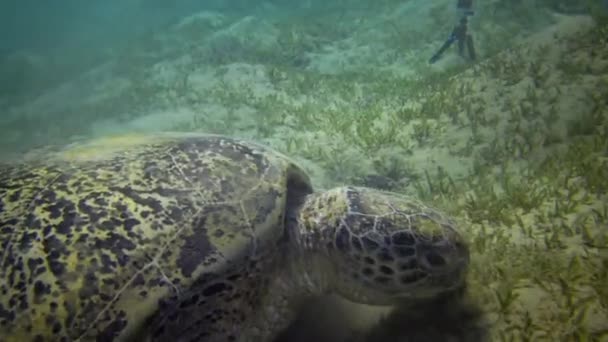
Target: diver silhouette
{"x":460,"y":34}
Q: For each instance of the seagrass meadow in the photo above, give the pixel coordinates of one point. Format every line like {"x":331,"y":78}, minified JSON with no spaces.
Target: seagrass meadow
{"x":514,"y":146}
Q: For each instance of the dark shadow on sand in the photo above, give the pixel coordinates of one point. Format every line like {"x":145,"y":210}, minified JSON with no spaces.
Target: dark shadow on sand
{"x":452,"y":318}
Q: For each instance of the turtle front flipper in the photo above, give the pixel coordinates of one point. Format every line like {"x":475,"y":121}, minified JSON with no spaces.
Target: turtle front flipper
{"x":248,"y":302}
{"x":212,"y":309}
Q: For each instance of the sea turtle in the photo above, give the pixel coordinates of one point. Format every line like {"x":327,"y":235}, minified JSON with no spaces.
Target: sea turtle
{"x":188,"y":237}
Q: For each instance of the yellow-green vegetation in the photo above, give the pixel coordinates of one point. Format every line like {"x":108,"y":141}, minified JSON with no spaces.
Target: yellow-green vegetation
{"x":537,"y":210}
{"x":514,"y":146}
{"x":532,"y":128}
{"x":536,"y":206}
{"x":539,"y":246}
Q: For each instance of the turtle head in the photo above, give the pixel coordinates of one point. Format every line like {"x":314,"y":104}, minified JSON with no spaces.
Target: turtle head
{"x":380,"y":248}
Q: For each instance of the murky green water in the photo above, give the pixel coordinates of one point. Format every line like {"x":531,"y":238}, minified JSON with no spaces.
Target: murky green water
{"x":512,"y":144}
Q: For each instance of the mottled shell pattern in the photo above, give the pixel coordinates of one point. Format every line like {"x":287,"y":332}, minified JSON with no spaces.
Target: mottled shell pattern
{"x":139,"y":237}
